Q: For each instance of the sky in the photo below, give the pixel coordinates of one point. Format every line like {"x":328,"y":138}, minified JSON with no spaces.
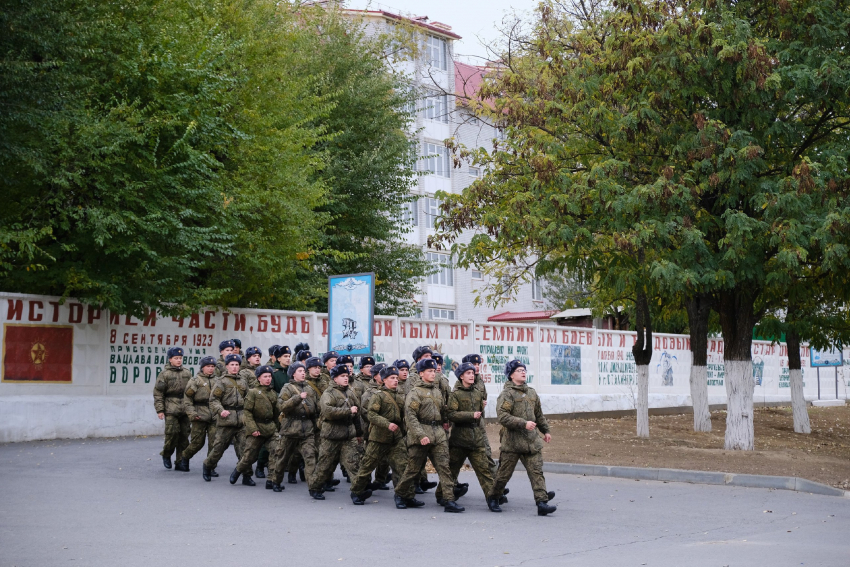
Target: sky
{"x":475,"y":20}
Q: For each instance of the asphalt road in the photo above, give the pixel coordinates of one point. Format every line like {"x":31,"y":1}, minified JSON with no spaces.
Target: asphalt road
{"x":108,"y":502}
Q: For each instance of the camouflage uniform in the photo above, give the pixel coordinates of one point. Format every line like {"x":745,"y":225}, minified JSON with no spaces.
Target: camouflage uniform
{"x":297,"y":430}
{"x":382,"y":471}
{"x":516,"y":406}
{"x":479,"y":386}
{"x":424,"y":416}
{"x":468,"y":435}
{"x":359,"y":384}
{"x":196,"y":400}
{"x":324,"y":380}
{"x":247,"y":374}
{"x":384,"y":407}
{"x":228,"y":394}
{"x":168,"y":399}
{"x":441,"y":383}
{"x":220,"y":367}
{"x":339,"y":429}
{"x":260,"y":414}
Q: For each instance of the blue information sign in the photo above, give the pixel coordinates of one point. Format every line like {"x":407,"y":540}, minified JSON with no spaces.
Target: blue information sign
{"x":351,"y":312}
{"x":831,"y":357}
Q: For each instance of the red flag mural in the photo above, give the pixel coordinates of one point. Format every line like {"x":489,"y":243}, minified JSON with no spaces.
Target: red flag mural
{"x":37,"y":353}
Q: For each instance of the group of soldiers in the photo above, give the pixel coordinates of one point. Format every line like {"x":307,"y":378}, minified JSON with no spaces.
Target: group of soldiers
{"x":302,"y":415}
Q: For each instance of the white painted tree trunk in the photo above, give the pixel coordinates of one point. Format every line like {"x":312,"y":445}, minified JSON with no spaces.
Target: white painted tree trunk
{"x":798,"y":403}
{"x":699,"y":397}
{"x":642,"y":401}
{"x":739,"y":405}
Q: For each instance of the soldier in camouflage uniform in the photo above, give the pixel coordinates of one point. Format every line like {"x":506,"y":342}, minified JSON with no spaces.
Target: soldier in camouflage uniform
{"x":225,"y":348}
{"x":196,"y":401}
{"x":521,"y":417}
{"x":237,"y":349}
{"x":403,"y":375}
{"x":424,"y":353}
{"x":272,"y":356}
{"x":382,"y":472}
{"x":348,"y":360}
{"x":227,"y":401}
{"x":340,"y":428}
{"x":426,"y":421}
{"x":475,"y":360}
{"x":361,"y":382}
{"x":260,"y":414}
{"x":299,"y":406}
{"x":466,"y":412}
{"x":328,"y":362}
{"x":168,"y":403}
{"x":250,"y":363}
{"x":386,"y":435}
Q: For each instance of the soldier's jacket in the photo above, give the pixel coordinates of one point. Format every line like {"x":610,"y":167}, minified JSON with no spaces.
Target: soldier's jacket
{"x":279,"y":377}
{"x":468,"y":432}
{"x":196,"y":397}
{"x":298,"y":416}
{"x":220,"y":367}
{"x":360,"y":384}
{"x":228,"y":393}
{"x":260,"y":413}
{"x":478,"y":385}
{"x":440,"y":382}
{"x":404,"y":386}
{"x":338,"y":423}
{"x":424,"y":414}
{"x":247,"y":373}
{"x":385,"y":406}
{"x":516,"y":405}
{"x":169,"y":388}
{"x":325,"y":379}
{"x":371,"y":388}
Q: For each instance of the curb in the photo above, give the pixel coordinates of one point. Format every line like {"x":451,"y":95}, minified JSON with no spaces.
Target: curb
{"x":696,"y":477}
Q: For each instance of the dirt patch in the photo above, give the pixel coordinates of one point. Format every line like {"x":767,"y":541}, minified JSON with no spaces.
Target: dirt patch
{"x":823,"y":456}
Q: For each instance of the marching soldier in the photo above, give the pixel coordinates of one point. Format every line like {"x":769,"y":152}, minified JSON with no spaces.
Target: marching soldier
{"x":403,"y":375}
{"x":340,"y":427}
{"x":302,"y":352}
{"x":426,"y":422}
{"x":168,"y":402}
{"x":521,"y":417}
{"x":441,"y":380}
{"x":386,"y":435}
{"x":272,"y":356}
{"x":253,"y":356}
{"x":361,"y":382}
{"x":328,"y":361}
{"x":226,"y":403}
{"x":225,"y":348}
{"x":260,"y":415}
{"x":196,"y":401}
{"x":475,"y":361}
{"x":283,"y":358}
{"x":299,"y":405}
{"x":423,"y":353}
{"x":348,"y":360}
{"x":237,"y":348}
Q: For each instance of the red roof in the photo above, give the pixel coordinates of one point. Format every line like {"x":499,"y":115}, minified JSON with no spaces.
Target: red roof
{"x":436,"y":29}
{"x":507,"y":316}
{"x":468,"y":79}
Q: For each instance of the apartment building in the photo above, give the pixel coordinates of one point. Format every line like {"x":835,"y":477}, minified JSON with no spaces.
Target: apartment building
{"x":450,"y":293}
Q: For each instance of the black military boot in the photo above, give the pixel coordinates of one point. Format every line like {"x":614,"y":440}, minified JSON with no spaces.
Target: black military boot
{"x":301,"y":474}
{"x":503,"y":499}
{"x":453,"y":507}
{"x":205,"y":472}
{"x":248,"y":481}
{"x":234,"y":476}
{"x":414,"y":503}
{"x":493,"y":504}
{"x":333,"y":481}
{"x":260,"y":473}
{"x":505,"y":491}
{"x":550,"y":494}
{"x":544,"y":508}
{"x":400,"y":502}
{"x":419,"y":490}
{"x":269,"y":485}
{"x":291,"y":478}
{"x":357,"y":500}
{"x":427,"y":484}
{"x":185,"y":465}
{"x":328,"y":487}
{"x":277,"y":488}
{"x":213,"y":473}
{"x":178,"y":464}
{"x":166,"y":462}
{"x":460,"y":490}
{"x":377,"y":485}
{"x":317,"y":494}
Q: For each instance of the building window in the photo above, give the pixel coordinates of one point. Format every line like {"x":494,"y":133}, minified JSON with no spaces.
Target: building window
{"x":477,"y":275}
{"x":410,"y":212}
{"x":474,"y":172}
{"x":432,"y":211}
{"x":446,"y":314}
{"x":536,"y":290}
{"x":437,"y":108}
{"x":436,"y":159}
{"x":435,"y":52}
{"x":443,"y":265}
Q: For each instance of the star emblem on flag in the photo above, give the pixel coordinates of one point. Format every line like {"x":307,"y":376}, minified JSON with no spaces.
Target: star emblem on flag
{"x":38,"y":353}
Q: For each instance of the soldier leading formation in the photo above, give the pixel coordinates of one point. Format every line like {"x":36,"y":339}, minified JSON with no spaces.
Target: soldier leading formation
{"x":303,"y":415}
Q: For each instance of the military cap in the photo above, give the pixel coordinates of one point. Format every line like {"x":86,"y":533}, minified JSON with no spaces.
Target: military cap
{"x":512,"y":366}
{"x":251,"y":351}
{"x":301,"y":346}
{"x":345,"y":359}
{"x":420,"y":352}
{"x":389,"y":371}
{"x":438,"y":357}
{"x":465,"y":367}
{"x":281,"y":350}
{"x":232,"y":358}
{"x":472,"y":358}
{"x":366,"y":361}
{"x":427,"y":364}
{"x":329,"y":355}
{"x":401,"y":363}
{"x":376,"y":368}
{"x":226,"y":344}
{"x":293,"y":367}
{"x":312,"y":362}
{"x":339,"y":370}
{"x":273,"y":350}
{"x":263,"y":370}
{"x":302,"y":355}
{"x":207,"y":361}
{"x":237,"y":342}
{"x":175,"y":351}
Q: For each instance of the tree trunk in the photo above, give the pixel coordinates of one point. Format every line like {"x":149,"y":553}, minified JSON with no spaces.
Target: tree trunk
{"x":642,"y":352}
{"x":795,"y":370}
{"x":699,"y":308}
{"x":737,"y":320}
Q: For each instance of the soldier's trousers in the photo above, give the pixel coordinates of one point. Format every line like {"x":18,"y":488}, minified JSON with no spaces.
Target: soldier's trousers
{"x":376,"y":453}
{"x":201,"y":431}
{"x":263,"y":458}
{"x":177,"y":429}
{"x":382,"y":471}
{"x":332,"y":452}
{"x":478,"y":459}
{"x":533,"y":463}
{"x":439,"y":455}
{"x":289,"y":450}
{"x":251,"y":452}
{"x":490,"y":462}
{"x":224,"y":436}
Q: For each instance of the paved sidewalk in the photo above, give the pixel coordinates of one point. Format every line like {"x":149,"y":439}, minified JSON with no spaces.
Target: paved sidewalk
{"x":107,"y":502}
